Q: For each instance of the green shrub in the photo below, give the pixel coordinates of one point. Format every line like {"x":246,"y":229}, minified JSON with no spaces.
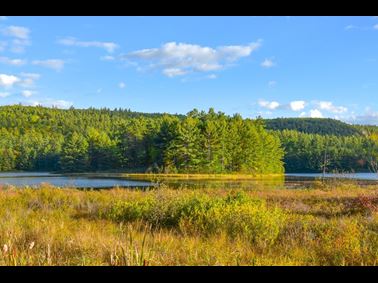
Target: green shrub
{"x":236,"y":214}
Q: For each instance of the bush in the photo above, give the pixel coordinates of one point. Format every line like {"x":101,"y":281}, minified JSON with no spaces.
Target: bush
{"x":338,"y":242}
{"x":236,"y":214}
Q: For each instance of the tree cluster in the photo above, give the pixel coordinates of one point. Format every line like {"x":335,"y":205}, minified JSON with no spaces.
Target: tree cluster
{"x":73,"y":140}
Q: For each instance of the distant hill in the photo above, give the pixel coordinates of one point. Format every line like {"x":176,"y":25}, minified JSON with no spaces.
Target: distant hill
{"x":319,"y":126}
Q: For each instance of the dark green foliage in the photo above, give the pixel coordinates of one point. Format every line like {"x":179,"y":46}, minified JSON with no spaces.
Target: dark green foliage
{"x":305,"y":152}
{"x":313,"y":126}
{"x":74,"y":155}
{"x":309,"y":143}
{"x":48,"y":139}
{"x":74,"y":140}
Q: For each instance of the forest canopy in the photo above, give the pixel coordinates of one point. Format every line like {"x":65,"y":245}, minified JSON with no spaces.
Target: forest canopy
{"x":79,"y":140}
{"x":76,"y":140}
{"x":320,"y":126}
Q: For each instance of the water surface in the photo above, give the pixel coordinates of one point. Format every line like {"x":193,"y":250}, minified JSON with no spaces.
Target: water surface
{"x":355,"y":176}
{"x":294,"y":180}
{"x":34,"y":179}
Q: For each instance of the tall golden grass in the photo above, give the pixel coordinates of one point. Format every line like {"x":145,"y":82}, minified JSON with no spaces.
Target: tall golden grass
{"x":327,"y":225}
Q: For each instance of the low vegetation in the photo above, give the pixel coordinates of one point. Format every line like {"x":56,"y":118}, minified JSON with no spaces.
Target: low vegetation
{"x":330,"y":224}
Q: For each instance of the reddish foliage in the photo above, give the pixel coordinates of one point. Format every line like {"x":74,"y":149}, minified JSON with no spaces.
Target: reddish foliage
{"x":367,"y":202}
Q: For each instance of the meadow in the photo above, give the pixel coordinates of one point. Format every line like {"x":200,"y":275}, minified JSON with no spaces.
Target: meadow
{"x":332,"y":223}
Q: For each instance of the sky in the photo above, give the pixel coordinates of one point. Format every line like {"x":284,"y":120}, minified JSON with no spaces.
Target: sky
{"x":278,"y":66}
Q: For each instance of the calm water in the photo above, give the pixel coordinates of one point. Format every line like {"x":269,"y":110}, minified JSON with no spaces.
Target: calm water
{"x":296,"y":180}
{"x":356,"y":176}
{"x":36,"y":178}
{"x":290,"y":181}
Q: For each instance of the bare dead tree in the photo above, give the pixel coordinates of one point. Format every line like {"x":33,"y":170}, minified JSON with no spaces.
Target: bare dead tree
{"x":373,"y":164}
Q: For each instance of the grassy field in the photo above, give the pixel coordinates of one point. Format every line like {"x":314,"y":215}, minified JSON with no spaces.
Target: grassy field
{"x":331,"y":224}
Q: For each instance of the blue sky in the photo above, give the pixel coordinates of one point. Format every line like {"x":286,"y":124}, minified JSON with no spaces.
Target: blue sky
{"x":268,"y":66}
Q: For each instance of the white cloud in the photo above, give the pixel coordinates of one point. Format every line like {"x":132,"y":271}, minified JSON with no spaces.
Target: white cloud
{"x":8,"y":80}
{"x":32,"y":76}
{"x":13,"y":62}
{"x":267,"y":63}
{"x":28,"y":79}
{"x":272,"y":83}
{"x":375,"y":26}
{"x":27,"y":93}
{"x":368,"y":118}
{"x":107,"y":58}
{"x":17,"y":32}
{"x":269,"y":104}
{"x":3,"y":18}
{"x":20,"y":37}
{"x":58,"y":103}
{"x":315,"y":113}
{"x":349,"y":27}
{"x":303,"y":114}
{"x":55,"y":64}
{"x":177,"y":59}
{"x":121,"y":85}
{"x":173,"y":72}
{"x":234,"y":52}
{"x":4,"y":94}
{"x":297,"y":105}
{"x":212,"y":76}
{"x":18,"y":45}
{"x":24,"y":80}
{"x":71,"y":41}
{"x":328,"y":106}
{"x":50,"y":103}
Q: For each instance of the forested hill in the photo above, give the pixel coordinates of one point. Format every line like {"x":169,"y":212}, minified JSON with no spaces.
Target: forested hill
{"x":312,"y":145}
{"x":38,"y":138}
{"x":319,"y":126}
{"x":38,"y":116}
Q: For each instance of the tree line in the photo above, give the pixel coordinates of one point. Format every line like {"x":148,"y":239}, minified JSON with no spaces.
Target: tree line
{"x":307,"y":152}
{"x":78,"y":140}
{"x":320,"y":126}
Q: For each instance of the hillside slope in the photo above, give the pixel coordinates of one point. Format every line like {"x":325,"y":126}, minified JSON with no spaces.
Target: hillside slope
{"x":313,"y":126}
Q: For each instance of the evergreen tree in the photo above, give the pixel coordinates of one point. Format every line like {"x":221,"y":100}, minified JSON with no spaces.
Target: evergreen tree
{"x":184,"y":151}
{"x":74,"y":156}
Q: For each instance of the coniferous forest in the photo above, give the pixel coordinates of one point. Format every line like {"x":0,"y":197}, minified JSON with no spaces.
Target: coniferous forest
{"x":75,"y":140}
{"x":37,"y":138}
{"x":312,"y":143}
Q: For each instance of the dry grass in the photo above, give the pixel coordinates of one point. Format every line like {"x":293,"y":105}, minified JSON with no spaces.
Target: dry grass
{"x":323,"y":226}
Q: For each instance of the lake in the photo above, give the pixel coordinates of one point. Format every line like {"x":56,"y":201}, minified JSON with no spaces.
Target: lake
{"x":355,"y":176}
{"x":294,"y":180}
{"x":22,"y":179}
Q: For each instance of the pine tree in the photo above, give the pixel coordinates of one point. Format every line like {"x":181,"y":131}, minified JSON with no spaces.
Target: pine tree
{"x":101,"y":150}
{"x":74,"y":156}
{"x":184,"y":150}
